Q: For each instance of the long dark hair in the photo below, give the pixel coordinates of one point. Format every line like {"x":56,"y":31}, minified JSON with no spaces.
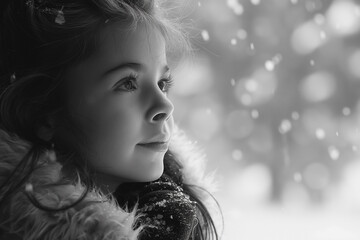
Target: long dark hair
{"x":206,"y":229}
{"x":39,"y":41}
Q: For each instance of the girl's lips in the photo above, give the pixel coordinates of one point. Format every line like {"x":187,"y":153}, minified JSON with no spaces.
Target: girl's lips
{"x":156,"y":146}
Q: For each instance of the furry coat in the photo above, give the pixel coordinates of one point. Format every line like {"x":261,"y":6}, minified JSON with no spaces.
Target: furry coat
{"x":98,"y":216}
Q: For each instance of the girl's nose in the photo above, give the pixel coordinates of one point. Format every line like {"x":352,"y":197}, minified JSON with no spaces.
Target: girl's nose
{"x":161,"y":110}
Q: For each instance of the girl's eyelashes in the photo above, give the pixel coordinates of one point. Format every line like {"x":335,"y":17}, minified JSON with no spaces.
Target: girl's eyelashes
{"x":166,"y":83}
{"x":127,"y":84}
{"x":130,"y":83}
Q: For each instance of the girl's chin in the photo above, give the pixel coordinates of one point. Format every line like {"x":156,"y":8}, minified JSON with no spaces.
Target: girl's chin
{"x":153,"y":173}
{"x":147,"y":177}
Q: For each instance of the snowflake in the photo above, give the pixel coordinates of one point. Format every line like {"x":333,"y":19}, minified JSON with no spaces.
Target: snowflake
{"x":320,"y":133}
{"x":285,"y":126}
{"x":205,"y":35}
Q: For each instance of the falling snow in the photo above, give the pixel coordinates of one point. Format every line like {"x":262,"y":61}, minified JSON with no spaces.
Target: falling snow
{"x":320,"y":133}
{"x":296,"y":60}
{"x":285,"y":126}
{"x":269,"y":65}
{"x":346,"y":111}
{"x":334,"y":153}
{"x":255,"y":2}
{"x":237,"y":8}
{"x":252,"y":46}
{"x":29,"y":187}
{"x":205,"y":35}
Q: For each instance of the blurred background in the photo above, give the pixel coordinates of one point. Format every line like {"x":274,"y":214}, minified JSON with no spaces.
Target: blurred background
{"x":272,"y":96}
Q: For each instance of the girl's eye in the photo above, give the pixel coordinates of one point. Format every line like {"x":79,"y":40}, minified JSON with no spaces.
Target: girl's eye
{"x":165,"y":84}
{"x":127,"y":84}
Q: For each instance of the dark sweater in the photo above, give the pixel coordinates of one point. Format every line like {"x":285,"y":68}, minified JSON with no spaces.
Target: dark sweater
{"x":166,"y":209}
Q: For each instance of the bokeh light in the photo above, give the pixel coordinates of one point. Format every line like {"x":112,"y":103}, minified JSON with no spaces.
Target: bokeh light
{"x":318,"y":86}
{"x":257,"y":89}
{"x":272,"y":94}
{"x":307,"y":38}
{"x":343,"y":17}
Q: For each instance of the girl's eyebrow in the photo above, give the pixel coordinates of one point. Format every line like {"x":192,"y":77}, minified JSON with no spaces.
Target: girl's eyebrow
{"x":133,"y":65}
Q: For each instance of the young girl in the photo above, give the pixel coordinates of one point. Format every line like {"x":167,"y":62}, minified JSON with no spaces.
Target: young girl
{"x":88,"y":145}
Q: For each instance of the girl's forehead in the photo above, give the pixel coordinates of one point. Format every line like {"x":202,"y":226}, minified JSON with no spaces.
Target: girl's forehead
{"x":143,"y":45}
{"x":118,"y":37}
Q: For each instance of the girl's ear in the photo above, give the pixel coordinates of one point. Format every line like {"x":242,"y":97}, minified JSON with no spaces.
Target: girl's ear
{"x":46,"y":130}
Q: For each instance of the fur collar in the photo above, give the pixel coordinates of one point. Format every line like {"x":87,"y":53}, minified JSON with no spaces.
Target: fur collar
{"x":98,"y":216}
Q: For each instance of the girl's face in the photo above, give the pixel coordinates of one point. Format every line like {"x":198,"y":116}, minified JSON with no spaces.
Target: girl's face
{"x":119,"y":98}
